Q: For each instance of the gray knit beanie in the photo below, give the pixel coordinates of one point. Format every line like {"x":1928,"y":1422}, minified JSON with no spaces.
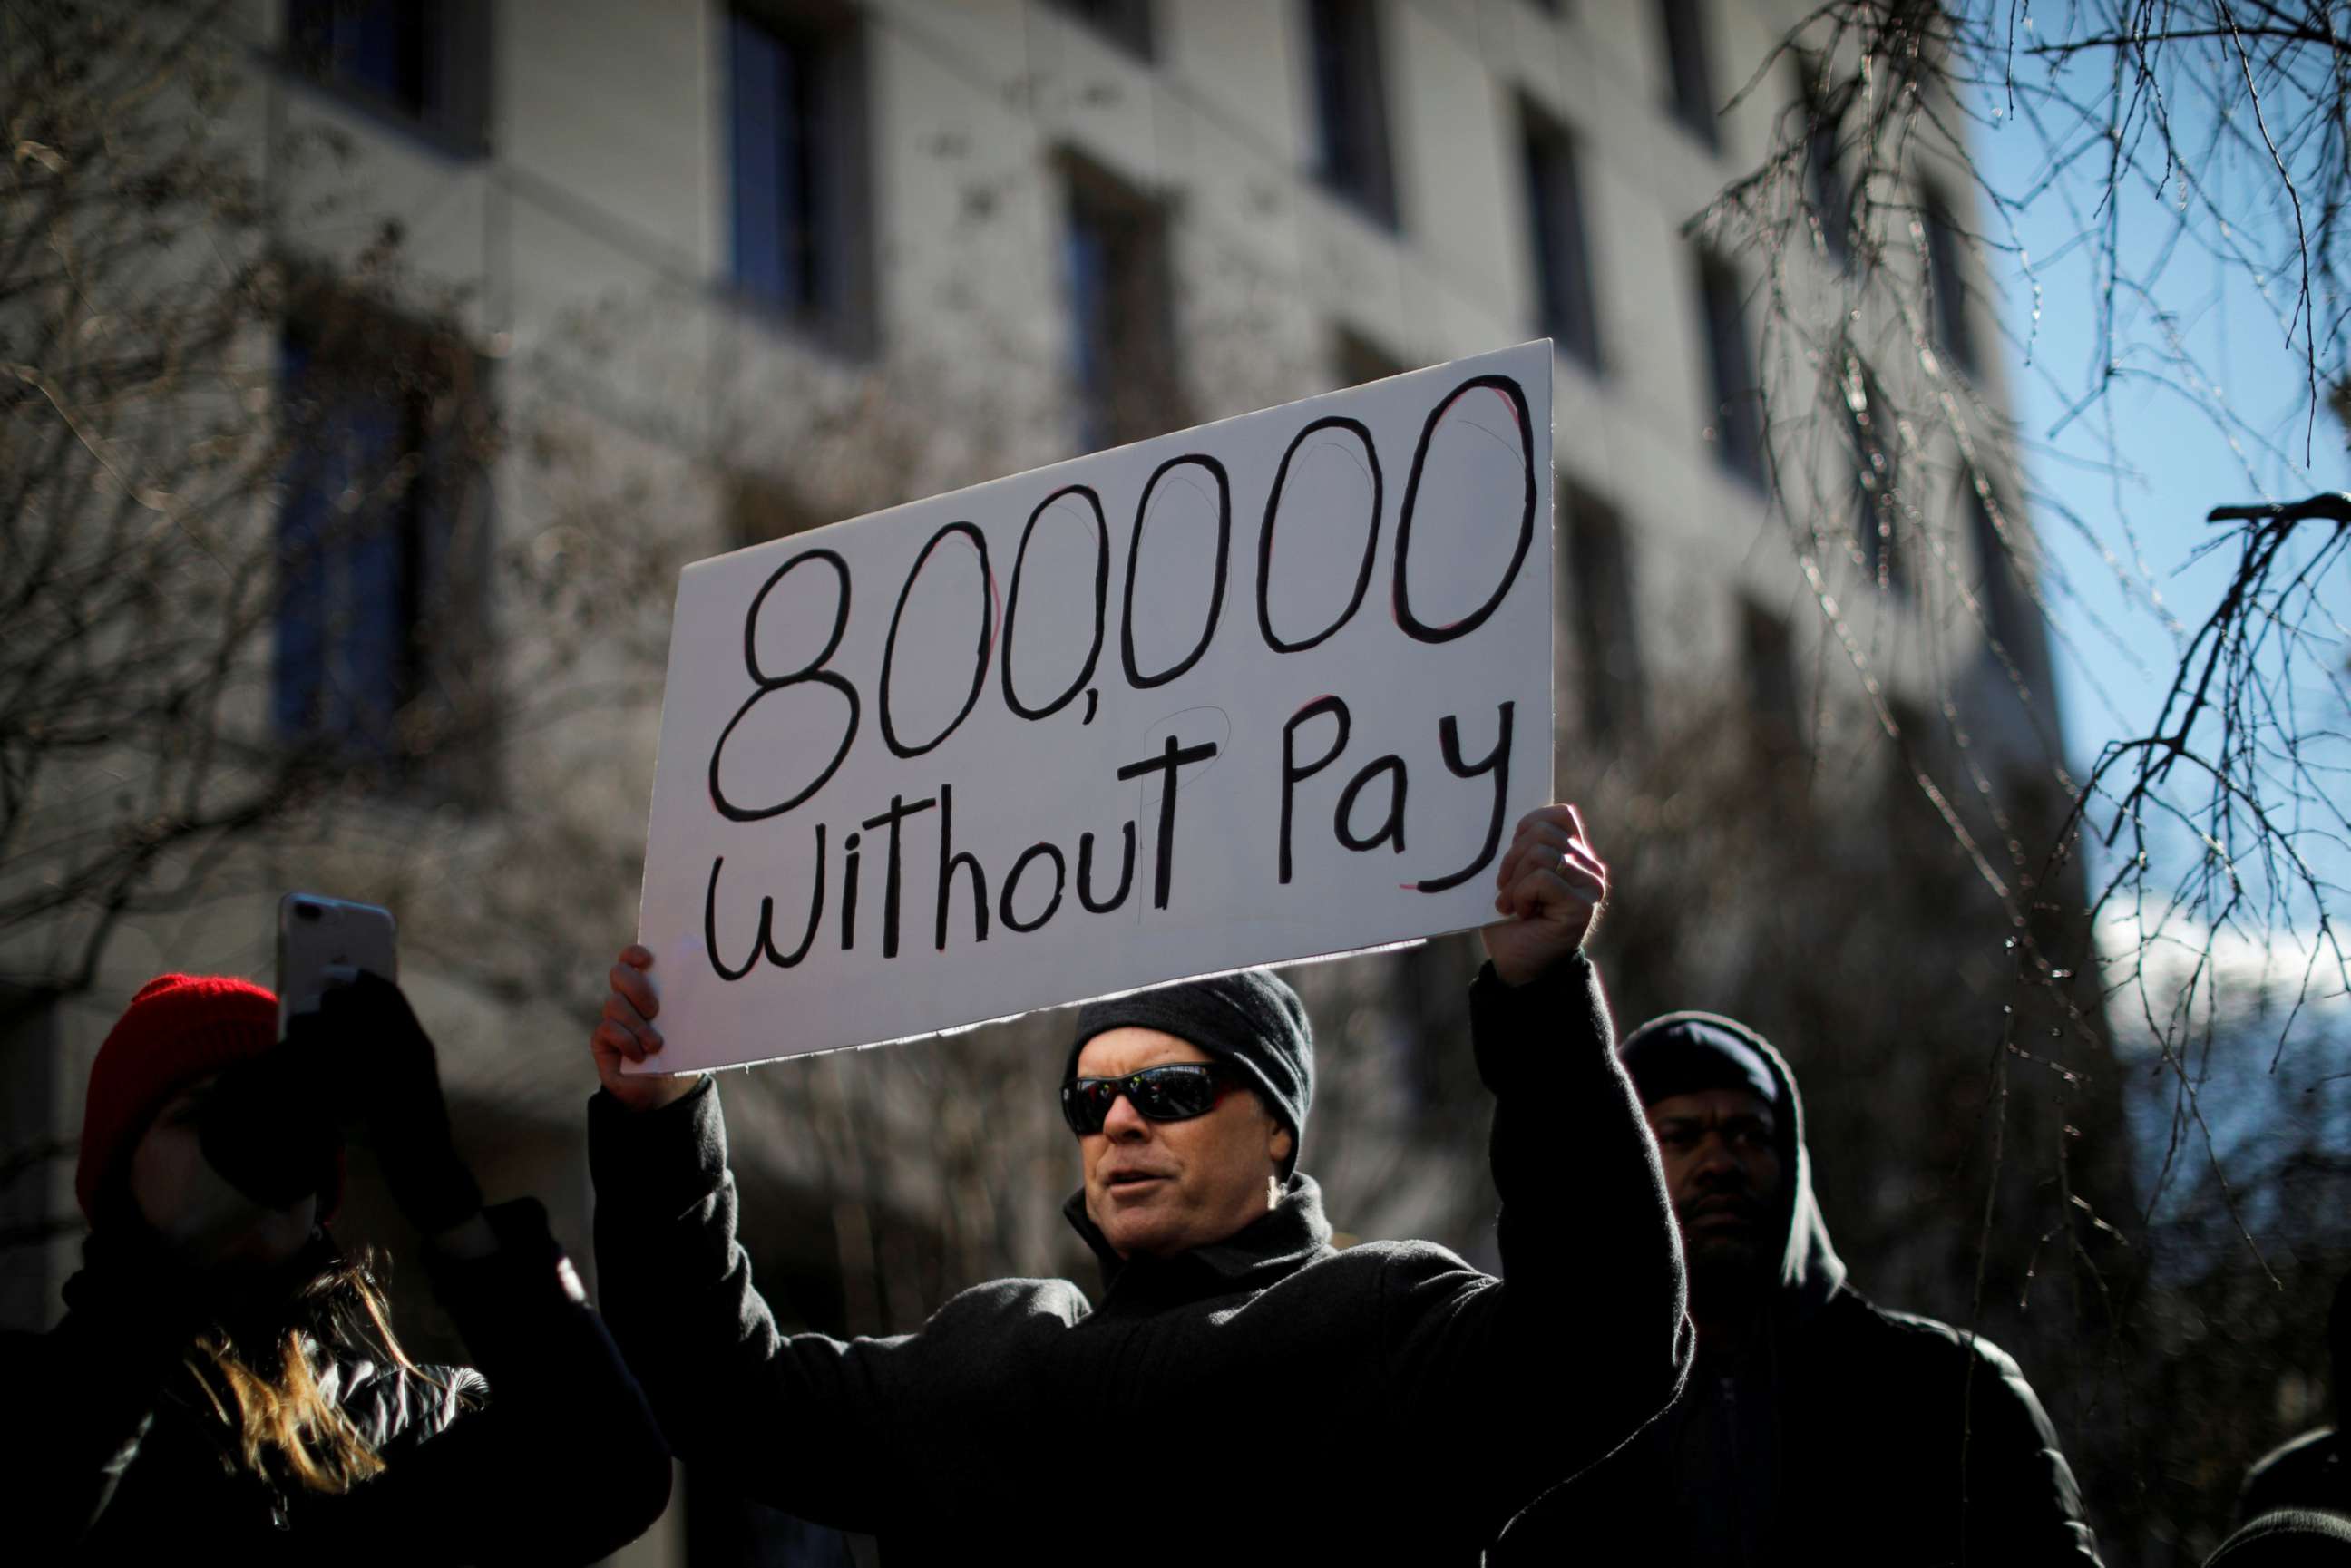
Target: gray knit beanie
{"x":1252,"y":1020}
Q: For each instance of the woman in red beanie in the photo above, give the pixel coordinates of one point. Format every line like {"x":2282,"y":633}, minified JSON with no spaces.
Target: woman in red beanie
{"x":225,"y":1379}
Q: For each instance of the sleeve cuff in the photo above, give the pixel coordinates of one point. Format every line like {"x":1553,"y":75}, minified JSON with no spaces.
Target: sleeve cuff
{"x":660,"y":1161}
{"x":1556,"y":1021}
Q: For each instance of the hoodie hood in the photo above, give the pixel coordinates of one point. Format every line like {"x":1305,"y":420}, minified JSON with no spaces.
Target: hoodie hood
{"x":1810,"y":1270}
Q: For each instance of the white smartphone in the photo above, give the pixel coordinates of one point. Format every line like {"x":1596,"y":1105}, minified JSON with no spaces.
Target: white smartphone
{"x":317,"y":936}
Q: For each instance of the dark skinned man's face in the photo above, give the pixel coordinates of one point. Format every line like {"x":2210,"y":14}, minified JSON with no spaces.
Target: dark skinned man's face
{"x":1722,"y":1173}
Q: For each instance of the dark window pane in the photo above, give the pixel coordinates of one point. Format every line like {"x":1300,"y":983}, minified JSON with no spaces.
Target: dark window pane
{"x":1921,"y":844}
{"x":1947,"y":282}
{"x":349,"y":538}
{"x":1359,"y":360}
{"x":1606,"y":630}
{"x":302,"y":522}
{"x":424,"y":60}
{"x":1875,"y":439}
{"x":382,"y":45}
{"x":760,"y":509}
{"x":1125,"y":22}
{"x":1563,"y":258}
{"x":1122,"y":343}
{"x":380,"y":642}
{"x":1088,"y":260}
{"x":1351,"y":105}
{"x":2008,"y":609}
{"x":1769,"y":655}
{"x":1737,"y":413}
{"x":774,"y":217}
{"x":795,"y":127}
{"x":1692,"y":87}
{"x":1826,"y":186}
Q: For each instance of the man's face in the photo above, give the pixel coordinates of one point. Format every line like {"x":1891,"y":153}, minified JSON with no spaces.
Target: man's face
{"x":1163,"y":1188}
{"x":1722,"y":1173}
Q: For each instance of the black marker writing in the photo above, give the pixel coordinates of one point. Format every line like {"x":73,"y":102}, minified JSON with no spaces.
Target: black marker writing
{"x":1215,"y":470}
{"x":765,"y":947}
{"x":1086,"y":872}
{"x":1413,"y":625}
{"x":1272,"y":511}
{"x":898,"y":812}
{"x":1036,"y":852}
{"x":1292,"y":775}
{"x":1391,"y":829}
{"x":1497,"y":765}
{"x":951,"y":859}
{"x":763,"y":685}
{"x":979,"y":660}
{"x":1166,"y":763}
{"x":1102,"y":595}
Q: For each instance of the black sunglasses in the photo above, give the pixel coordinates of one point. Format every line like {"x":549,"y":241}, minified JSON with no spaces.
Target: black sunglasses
{"x":1177,"y":1092}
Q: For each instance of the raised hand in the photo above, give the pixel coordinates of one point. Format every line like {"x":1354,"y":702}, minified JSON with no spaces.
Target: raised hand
{"x":1550,"y":888}
{"x":365,"y":1042}
{"x":625,"y":1032}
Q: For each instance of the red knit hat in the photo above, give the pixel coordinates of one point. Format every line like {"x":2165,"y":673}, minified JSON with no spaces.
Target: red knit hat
{"x":178,"y":1028}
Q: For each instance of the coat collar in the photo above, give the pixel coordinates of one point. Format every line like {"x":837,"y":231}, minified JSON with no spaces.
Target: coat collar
{"x":1292,"y":1234}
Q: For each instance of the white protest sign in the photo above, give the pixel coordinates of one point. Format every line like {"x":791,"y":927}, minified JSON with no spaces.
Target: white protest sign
{"x":1273,"y":688}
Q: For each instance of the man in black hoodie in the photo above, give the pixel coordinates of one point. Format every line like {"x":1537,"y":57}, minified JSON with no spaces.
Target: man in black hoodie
{"x":1240,"y":1391}
{"x":1815,"y":1426}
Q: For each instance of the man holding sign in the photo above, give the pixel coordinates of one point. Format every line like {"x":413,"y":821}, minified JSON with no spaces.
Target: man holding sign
{"x":1243,"y":1391}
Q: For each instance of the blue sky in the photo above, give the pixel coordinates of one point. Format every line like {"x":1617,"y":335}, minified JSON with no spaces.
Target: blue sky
{"x":2211,"y":405}
{"x":2138,"y":469}
{"x":2122,"y":577}
{"x":2119,"y":578}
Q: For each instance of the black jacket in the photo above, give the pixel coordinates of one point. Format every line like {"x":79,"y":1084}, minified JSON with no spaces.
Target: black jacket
{"x":109,"y":1455}
{"x":1847,"y":1434}
{"x":1266,"y":1397}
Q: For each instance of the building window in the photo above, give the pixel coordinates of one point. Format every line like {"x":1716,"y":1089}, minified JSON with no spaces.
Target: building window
{"x":1929,"y":869}
{"x":1769,"y":654}
{"x":1126,"y":23}
{"x":424,"y":63}
{"x":1563,"y":253}
{"x":1947,"y":286}
{"x":760,"y":509}
{"x":382,"y":542}
{"x":1606,"y":630}
{"x":1351,"y":106}
{"x":1873,"y":430}
{"x":1691,"y":97}
{"x":1826,"y":186}
{"x":1122,"y":311}
{"x":799,"y":187}
{"x":2008,"y":609}
{"x":1737,"y":430}
{"x":1355,"y":360}
{"x":1921,"y":843}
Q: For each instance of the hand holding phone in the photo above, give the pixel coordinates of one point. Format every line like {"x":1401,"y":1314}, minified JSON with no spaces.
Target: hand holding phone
{"x":375,"y":1060}
{"x":322,"y":942}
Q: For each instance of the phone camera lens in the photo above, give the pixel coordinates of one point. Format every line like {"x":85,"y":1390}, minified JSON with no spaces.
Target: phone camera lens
{"x":307,"y":912}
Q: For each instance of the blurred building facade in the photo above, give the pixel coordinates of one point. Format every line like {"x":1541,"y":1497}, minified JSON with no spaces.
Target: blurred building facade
{"x":728,"y":271}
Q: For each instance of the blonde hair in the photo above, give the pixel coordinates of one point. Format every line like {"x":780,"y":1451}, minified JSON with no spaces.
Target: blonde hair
{"x":285,"y":1428}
